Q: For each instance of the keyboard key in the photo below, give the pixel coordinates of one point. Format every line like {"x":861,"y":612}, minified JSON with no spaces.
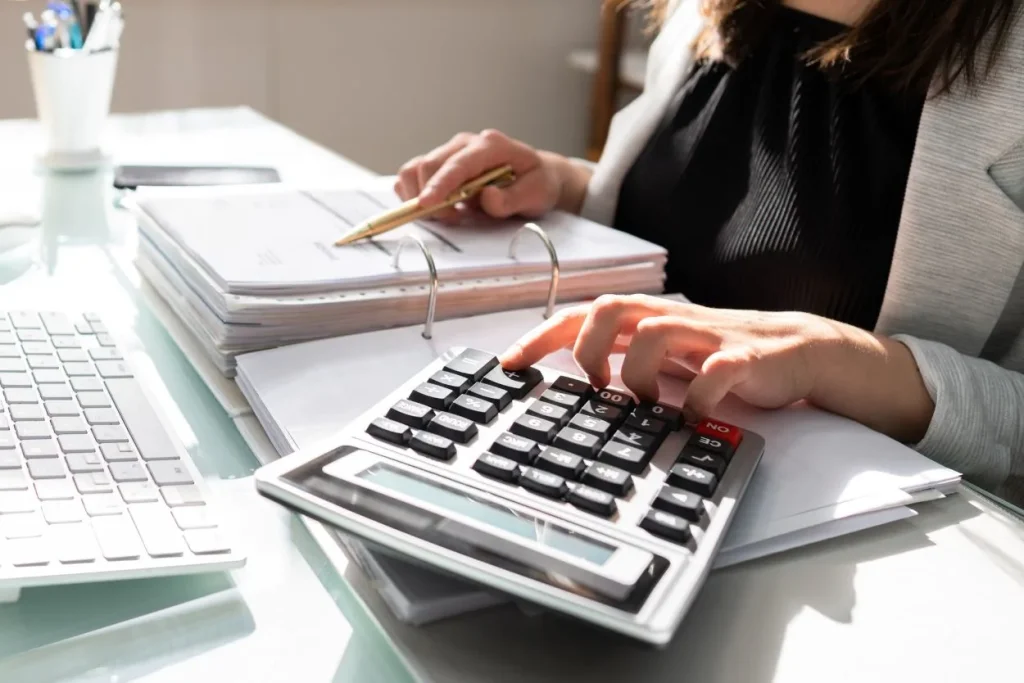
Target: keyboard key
{"x":607,"y":478}
{"x":101,"y":416}
{"x":451,"y":380}
{"x":549,"y":411}
{"x":489,"y":392}
{"x":127,"y":471}
{"x":55,"y":391}
{"x":72,"y":355}
{"x":43,"y":362}
{"x":692,"y":479}
{"x":79,"y":370}
{"x":592,"y":500}
{"x":535,"y":428}
{"x":12,"y":365}
{"x":117,"y":537}
{"x":25,"y":320}
{"x":109,"y":434}
{"x":631,"y":437}
{"x":65,"y":342}
{"x":544,"y":483}
{"x":667,"y":414}
{"x":27,"y":411}
{"x":61,"y":408}
{"x":15,"y":396}
{"x":146,"y":493}
{"x":104,"y":339}
{"x":644,"y":423}
{"x":45,"y":377}
{"x":32,"y":430}
{"x":46,"y":468}
{"x":615,"y":398}
{"x":516,"y":382}
{"x":687,"y":505}
{"x":31,"y":335}
{"x":624,"y":457}
{"x":517,"y":448}
{"x":83,"y":327}
{"x":570,"y":385}
{"x":105,"y":354}
{"x":382,"y":428}
{"x":578,"y":442}
{"x":497,"y":467}
{"x":9,"y":351}
{"x":206,"y":541}
{"x":433,"y":395}
{"x":712,"y":444}
{"x":560,"y":462}
{"x":56,"y":489}
{"x":33,"y":348}
{"x":103,"y":504}
{"x":433,"y":445}
{"x":98,"y":327}
{"x":13,"y":480}
{"x":603,"y":410}
{"x":160,"y":534}
{"x":73,"y":543}
{"x":560,"y":398}
{"x":57,"y":323}
{"x":476,"y":409}
{"x":458,"y":429}
{"x":93,"y":399}
{"x":28,"y":552}
{"x":169,"y":472}
{"x":16,"y":501}
{"x":705,"y":461}
{"x":62,"y":511}
{"x":412,"y":414}
{"x":23,"y":525}
{"x":69,"y":425}
{"x":720,"y":430}
{"x":120,"y":452}
{"x":86,"y":384}
{"x":76,"y":443}
{"x":10,"y":460}
{"x":667,"y":526}
{"x":194,"y":517}
{"x":592,"y":424}
{"x":472,"y":363}
{"x":92,"y":482}
{"x":15,"y":380}
{"x":39,"y":448}
{"x":177,"y":496}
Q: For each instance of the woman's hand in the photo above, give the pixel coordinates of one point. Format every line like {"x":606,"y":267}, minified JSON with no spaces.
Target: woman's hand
{"x":544,"y":180}
{"x":767,"y":359}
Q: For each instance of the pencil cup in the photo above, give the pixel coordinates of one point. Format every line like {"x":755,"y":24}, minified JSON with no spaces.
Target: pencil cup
{"x":72,"y":90}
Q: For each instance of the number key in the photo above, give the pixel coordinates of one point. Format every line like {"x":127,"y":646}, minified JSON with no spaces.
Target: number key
{"x":603,"y":411}
{"x":549,"y":411}
{"x":536,"y":428}
{"x":626,"y":457}
{"x":667,"y":414}
{"x":644,"y":423}
{"x":561,"y":398}
{"x":589,"y":423}
{"x":578,"y":442}
{"x":630,"y":437}
{"x":615,"y":398}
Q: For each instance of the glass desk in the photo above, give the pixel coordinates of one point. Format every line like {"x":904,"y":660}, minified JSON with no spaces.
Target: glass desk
{"x":286,"y":616}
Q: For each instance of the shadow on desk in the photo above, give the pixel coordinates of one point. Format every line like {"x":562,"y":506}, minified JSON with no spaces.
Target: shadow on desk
{"x":748,"y":606}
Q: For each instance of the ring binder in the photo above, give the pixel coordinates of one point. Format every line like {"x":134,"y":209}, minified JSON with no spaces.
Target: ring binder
{"x":555,"y":270}
{"x":428,"y":325}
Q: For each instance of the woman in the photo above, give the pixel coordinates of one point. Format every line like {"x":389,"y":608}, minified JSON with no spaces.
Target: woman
{"x":835,"y":182}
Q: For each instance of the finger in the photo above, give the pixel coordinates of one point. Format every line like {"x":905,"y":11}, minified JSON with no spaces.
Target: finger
{"x":525,"y":197}
{"x":435,"y":159}
{"x":557,"y":332}
{"x":653,"y":337}
{"x":672,"y":367}
{"x":488,"y":151}
{"x":407,"y":185}
{"x":721,"y":372}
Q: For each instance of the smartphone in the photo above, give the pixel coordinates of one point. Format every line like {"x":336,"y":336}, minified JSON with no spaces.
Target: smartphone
{"x":132,"y":177}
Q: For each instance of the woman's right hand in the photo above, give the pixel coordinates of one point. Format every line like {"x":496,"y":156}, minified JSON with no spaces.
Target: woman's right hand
{"x":541,"y":177}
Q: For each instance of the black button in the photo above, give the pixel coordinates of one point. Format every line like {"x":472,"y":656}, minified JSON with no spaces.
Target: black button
{"x":607,"y":478}
{"x":711,"y":445}
{"x":434,"y":445}
{"x":644,"y":423}
{"x":592,"y":500}
{"x":603,"y":411}
{"x":575,"y":441}
{"x":458,"y":429}
{"x":592,"y":424}
{"x":489,"y":392}
{"x":671,"y":416}
{"x":389,"y":430}
{"x":472,"y":363}
{"x":687,"y":505}
{"x":549,"y":411}
{"x":667,"y":526}
{"x":615,"y":398}
{"x":518,"y":448}
{"x":625,"y":457}
{"x":706,"y":461}
{"x":453,"y":381}
{"x":517,"y":382}
{"x":496,"y":466}
{"x":572,"y":386}
{"x":561,"y":398}
{"x":536,"y":428}
{"x":690,"y":478}
{"x":433,"y":395}
{"x":409,"y":413}
{"x":631,"y":437}
{"x":560,"y":462}
{"x":476,"y":409}
{"x":544,"y":483}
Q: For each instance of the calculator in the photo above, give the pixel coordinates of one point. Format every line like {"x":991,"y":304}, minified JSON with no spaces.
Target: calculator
{"x":533,"y":483}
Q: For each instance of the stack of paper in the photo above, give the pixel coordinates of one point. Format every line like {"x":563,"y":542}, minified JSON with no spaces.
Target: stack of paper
{"x":250,"y":268}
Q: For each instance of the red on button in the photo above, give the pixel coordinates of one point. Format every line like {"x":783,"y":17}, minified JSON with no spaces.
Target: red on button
{"x":721,"y":430}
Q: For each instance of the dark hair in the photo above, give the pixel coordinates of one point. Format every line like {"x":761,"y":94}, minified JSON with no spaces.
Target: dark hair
{"x":909,"y":44}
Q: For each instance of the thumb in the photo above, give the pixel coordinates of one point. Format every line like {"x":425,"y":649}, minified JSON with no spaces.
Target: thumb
{"x":528,"y":196}
{"x":720,"y":373}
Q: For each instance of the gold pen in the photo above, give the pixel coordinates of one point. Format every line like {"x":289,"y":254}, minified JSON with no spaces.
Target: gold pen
{"x":411,"y":210}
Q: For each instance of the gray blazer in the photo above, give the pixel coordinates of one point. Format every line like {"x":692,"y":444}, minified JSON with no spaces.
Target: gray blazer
{"x":955,"y":295}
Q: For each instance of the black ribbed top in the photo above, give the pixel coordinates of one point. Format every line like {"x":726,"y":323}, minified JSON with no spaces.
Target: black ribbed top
{"x":774,"y":185}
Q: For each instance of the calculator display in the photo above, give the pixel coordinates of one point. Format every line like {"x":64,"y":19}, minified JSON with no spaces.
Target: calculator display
{"x":514,"y":522}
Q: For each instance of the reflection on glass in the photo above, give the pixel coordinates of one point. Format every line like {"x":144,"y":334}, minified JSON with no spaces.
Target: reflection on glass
{"x":75,"y":209}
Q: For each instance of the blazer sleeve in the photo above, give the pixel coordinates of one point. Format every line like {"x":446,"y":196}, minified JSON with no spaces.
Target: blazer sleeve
{"x":978,"y":425}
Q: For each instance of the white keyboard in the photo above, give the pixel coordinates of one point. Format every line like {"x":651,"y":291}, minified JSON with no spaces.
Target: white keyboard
{"x":92,"y":486}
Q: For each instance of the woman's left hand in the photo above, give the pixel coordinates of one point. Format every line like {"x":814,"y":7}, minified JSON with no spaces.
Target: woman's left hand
{"x":767,"y":359}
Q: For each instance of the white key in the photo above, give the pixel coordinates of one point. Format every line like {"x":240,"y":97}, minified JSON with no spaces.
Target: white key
{"x":158,"y":529}
{"x":93,"y":482}
{"x":55,"y":391}
{"x":28,"y":552}
{"x":10,"y":460}
{"x":109,"y":434}
{"x":69,"y":425}
{"x":86,"y":384}
{"x":12,"y":364}
{"x":103,"y":353}
{"x":7,"y":440}
{"x":13,"y":480}
{"x":85,"y":462}
{"x":39,"y":448}
{"x":23,"y":525}
{"x":79,"y":369}
{"x":128,"y":471}
{"x":118,"y":452}
{"x":177,"y":496}
{"x":117,"y":537}
{"x":62,"y":511}
{"x":113,"y":368}
{"x":27,"y":411}
{"x":94,"y":399}
{"x":21,"y":396}
{"x":76,"y":443}
{"x":195,"y":517}
{"x":32,"y":430}
{"x":15,"y":380}
{"x":105,"y":339}
{"x":65,"y":342}
{"x":8,"y":351}
{"x":57,"y":323}
{"x":139,"y":493}
{"x":101,"y":416}
{"x":36,"y":348}
{"x":42,"y":362}
{"x":16,"y":501}
{"x":56,"y":489}
{"x":72,"y":355}
{"x":205,"y":541}
{"x":46,"y":468}
{"x":25,"y":320}
{"x":73,"y":543}
{"x":61,"y":408}
{"x":45,"y":377}
{"x":32,"y":335}
{"x":102,"y":504}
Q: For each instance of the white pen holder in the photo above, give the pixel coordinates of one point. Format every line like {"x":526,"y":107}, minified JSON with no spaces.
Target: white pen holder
{"x":73,"y":90}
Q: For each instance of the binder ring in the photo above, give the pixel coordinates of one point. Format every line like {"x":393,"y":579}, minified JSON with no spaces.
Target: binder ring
{"x":428,"y":325}
{"x":555,"y":270}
